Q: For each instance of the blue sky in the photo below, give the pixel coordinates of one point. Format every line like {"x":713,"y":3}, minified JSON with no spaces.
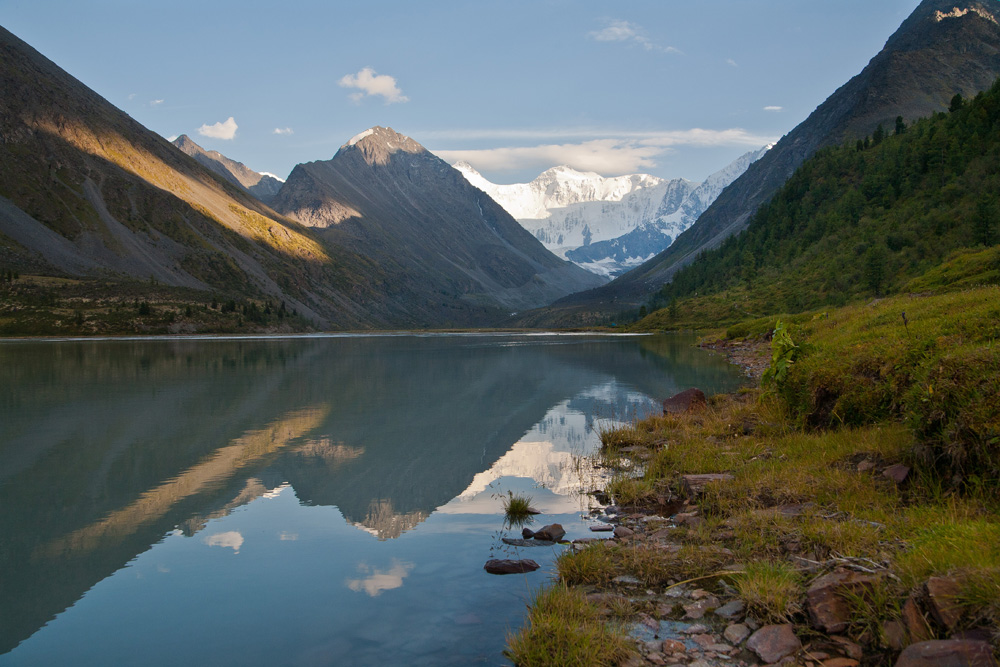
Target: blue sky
{"x":668,"y":87}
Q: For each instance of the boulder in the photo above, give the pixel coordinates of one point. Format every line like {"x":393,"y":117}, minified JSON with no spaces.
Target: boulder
{"x":527,"y":533}
{"x":828,"y":610}
{"x":689,"y":400}
{"x":773,"y":642}
{"x":602,"y":527}
{"x":507,"y":566}
{"x":621,"y":532}
{"x":552,"y":532}
{"x":947,"y":653}
{"x":942,"y":601}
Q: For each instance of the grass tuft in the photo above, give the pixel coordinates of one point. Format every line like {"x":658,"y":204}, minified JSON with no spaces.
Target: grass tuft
{"x":770,"y":590}
{"x":564,"y":629}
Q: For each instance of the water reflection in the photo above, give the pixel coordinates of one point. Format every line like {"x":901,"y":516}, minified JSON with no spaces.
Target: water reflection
{"x":106,"y":447}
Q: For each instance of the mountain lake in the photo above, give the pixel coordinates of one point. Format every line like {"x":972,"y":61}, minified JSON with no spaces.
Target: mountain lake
{"x":307,"y":500}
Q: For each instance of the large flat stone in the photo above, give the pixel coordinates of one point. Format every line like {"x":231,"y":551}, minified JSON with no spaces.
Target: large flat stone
{"x":506,"y":566}
{"x":947,"y":653}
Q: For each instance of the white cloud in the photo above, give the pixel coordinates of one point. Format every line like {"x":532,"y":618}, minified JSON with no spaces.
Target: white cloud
{"x":155,"y":103}
{"x":731,"y":62}
{"x":131,"y":96}
{"x":627,"y":152}
{"x":617,"y":30}
{"x":225,"y":130}
{"x":231,"y":539}
{"x":773,"y":108}
{"x":370,"y":83}
{"x":377,"y":580}
{"x":284,"y":130}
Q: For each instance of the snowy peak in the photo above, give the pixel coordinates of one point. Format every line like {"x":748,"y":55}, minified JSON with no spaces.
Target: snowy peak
{"x":377,"y":144}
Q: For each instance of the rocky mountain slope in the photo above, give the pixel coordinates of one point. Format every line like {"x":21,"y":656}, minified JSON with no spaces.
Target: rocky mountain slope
{"x":87,"y":192}
{"x":606,"y":225}
{"x":449,"y":253}
{"x":945,"y":47}
{"x":261,"y":186}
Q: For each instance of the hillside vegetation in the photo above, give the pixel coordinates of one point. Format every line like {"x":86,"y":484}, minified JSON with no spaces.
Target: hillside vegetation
{"x":911,"y":208}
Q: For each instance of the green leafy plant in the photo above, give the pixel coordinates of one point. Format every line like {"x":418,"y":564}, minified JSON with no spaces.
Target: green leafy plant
{"x":783,"y":354}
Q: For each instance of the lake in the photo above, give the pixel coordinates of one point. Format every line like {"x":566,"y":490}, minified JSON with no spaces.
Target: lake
{"x":311,"y":500}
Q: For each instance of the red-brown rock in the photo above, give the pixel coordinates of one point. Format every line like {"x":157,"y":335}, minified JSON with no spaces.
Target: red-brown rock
{"x":773,"y":642}
{"x":828,"y":609}
{"x":942,"y":598}
{"x":506,"y":566}
{"x":689,"y":400}
{"x":917,"y":628}
{"x":947,"y":653}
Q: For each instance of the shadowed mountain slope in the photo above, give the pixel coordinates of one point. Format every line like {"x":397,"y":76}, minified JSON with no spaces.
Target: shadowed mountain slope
{"x":450,"y":253}
{"x":945,"y":47}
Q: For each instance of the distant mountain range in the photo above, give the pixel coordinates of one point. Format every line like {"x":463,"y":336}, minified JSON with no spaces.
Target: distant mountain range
{"x":945,"y":47}
{"x":607,"y":225}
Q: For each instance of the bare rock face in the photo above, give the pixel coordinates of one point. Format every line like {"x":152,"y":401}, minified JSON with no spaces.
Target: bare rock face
{"x":828,"y":609}
{"x":773,"y":642}
{"x":507,"y":566}
{"x":689,"y":400}
{"x":947,"y":653}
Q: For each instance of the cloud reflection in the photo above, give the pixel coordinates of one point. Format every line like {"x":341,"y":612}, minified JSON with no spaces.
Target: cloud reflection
{"x":380,"y":580}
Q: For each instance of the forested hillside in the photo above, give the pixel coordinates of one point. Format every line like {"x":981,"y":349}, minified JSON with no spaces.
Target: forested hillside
{"x":867,"y":219}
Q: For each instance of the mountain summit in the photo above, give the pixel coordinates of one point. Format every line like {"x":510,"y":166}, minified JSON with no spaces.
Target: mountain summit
{"x":261,"y":186}
{"x":451,"y":254}
{"x":945,"y":47}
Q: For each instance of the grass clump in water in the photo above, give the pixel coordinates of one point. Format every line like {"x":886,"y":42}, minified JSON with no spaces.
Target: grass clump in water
{"x":564,"y":629}
{"x":517,"y":508}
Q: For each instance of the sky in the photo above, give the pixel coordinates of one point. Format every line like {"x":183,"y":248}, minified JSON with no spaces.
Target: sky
{"x":673,"y":88}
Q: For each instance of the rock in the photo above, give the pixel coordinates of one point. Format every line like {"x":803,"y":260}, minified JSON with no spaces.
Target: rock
{"x":704,"y":640}
{"x":897,"y":473}
{"x":696,"y":629}
{"x":828,"y":610}
{"x":627,"y":580}
{"x":847,"y":646}
{"x":527,"y":533}
{"x":942,"y":598}
{"x":700,"y":594}
{"x":689,"y":400}
{"x":553,"y":533}
{"x":673,"y":646}
{"x":866,"y":466}
{"x":840,"y":662}
{"x":602,"y":527}
{"x":773,"y":642}
{"x":895,"y":634}
{"x":527,"y":543}
{"x":506,"y":566}
{"x":532,"y":510}
{"x":947,"y":653}
{"x":732,"y":609}
{"x":693,"y":485}
{"x":736,"y":633}
{"x":697,"y":610}
{"x":622,"y":532}
{"x":915,"y":623}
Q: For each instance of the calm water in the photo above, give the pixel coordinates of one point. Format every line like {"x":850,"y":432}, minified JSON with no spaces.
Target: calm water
{"x":302,"y":501}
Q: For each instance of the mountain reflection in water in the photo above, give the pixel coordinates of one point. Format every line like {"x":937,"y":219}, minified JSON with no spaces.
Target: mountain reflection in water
{"x":108,"y":446}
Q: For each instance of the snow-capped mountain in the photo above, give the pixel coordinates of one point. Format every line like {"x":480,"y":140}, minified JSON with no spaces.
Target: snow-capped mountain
{"x":607,"y":225}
